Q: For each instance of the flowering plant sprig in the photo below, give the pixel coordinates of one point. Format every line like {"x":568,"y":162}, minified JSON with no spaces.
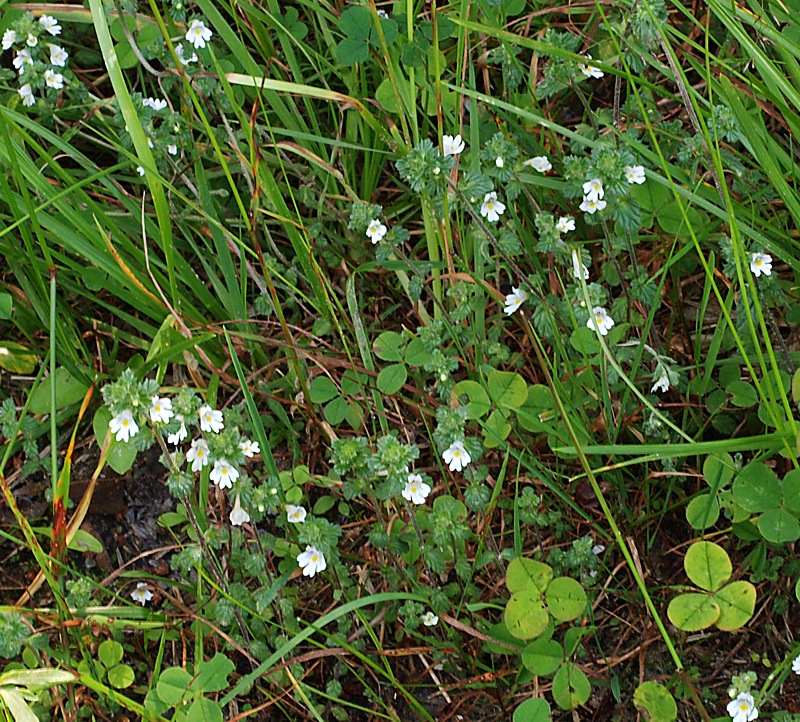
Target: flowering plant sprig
{"x":499,"y":156}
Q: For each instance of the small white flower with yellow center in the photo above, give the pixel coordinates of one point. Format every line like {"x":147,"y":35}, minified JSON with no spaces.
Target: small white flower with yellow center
{"x":198,"y":34}
{"x":180,"y":434}
{"x":514,"y":300}
{"x":565,"y":224}
{"x":123,"y":426}
{"x":198,"y":454}
{"x":593,"y":189}
{"x":295,"y":514}
{"x":155,"y":103}
{"x":32,"y":40}
{"x":312,"y":560}
{"x":376,"y":230}
{"x":452,"y":145}
{"x":492,"y":209}
{"x":9,"y":38}
{"x":761,"y":263}
{"x":210,"y":419}
{"x":58,"y":56}
{"x":634,"y":174}
{"x":22,"y":59}
{"x":141,"y":594}
{"x":181,"y":58}
{"x":578,"y":269}
{"x":249,"y":448}
{"x":743,"y":708}
{"x":416,"y":490}
{"x":589,"y":70}
{"x":50,"y":24}
{"x":600,"y":320}
{"x":26,"y":93}
{"x":429,"y":619}
{"x":591,"y":206}
{"x":540,"y":163}
{"x":161,"y":410}
{"x":456,"y":456}
{"x":238,"y":515}
{"x":223,"y":474}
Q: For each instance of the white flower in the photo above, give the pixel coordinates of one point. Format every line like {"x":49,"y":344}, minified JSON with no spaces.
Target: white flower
{"x":249,"y":448}
{"x":540,"y":163}
{"x":600,"y":320}
{"x":123,"y":426}
{"x":429,"y":619}
{"x":661,"y":384}
{"x":382,"y":14}
{"x":223,"y":474}
{"x":180,"y":434}
{"x":210,"y":419}
{"x":499,"y":162}
{"x":312,"y":560}
{"x":376,"y":230}
{"x":9,"y":38}
{"x":32,"y":40}
{"x":198,"y":34}
{"x":295,"y":514}
{"x":50,"y":24}
{"x":141,"y":594}
{"x":590,"y":205}
{"x":198,"y":454}
{"x":155,"y":103}
{"x":593,"y":189}
{"x":565,"y":223}
{"x":796,"y":665}
{"x":161,"y":410}
{"x":598,"y":549}
{"x":492,"y":209}
{"x":634,"y":174}
{"x":578,"y":269}
{"x":181,"y":58}
{"x":149,"y":142}
{"x":416,"y":490}
{"x":238,"y":515}
{"x":140,"y":170}
{"x":26,"y":93}
{"x":22,"y":59}
{"x":451,"y":145}
{"x":53,"y":79}
{"x":761,"y":263}
{"x":589,"y":70}
{"x":456,"y":456}
{"x":514,"y":300}
{"x":743,"y":708}
{"x":58,"y":56}
{"x":172,"y":149}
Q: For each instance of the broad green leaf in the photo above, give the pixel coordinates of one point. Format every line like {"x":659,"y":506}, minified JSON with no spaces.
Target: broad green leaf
{"x":121,"y":676}
{"x":204,"y":709}
{"x":391,"y":379}
{"x":323,"y":505}
{"x":791,"y":491}
{"x":525,"y":615}
{"x":778,"y":526}
{"x":507,"y":389}
{"x":707,"y":565}
{"x":566,"y":599}
{"x":737,"y":602}
{"x":356,"y":21}
{"x":543,"y":656}
{"x":702,"y":511}
{"x":693,"y":612}
{"x":417,"y":354}
{"x":387,"y":346}
{"x":69,"y":390}
{"x":657,"y":701}
{"x":352,"y":50}
{"x":335,"y":411}
{"x":496,"y":430}
{"x":173,"y":685}
{"x":584,"y":340}
{"x":386,"y":97}
{"x":6,"y":306}
{"x":212,"y":676}
{"x":322,"y":390}
{"x":17,"y":359}
{"x":528,"y":574}
{"x":478,"y":404}
{"x":670,"y":218}
{"x":110,"y":653}
{"x":571,"y":689}
{"x":743,"y":394}
{"x":718,"y":470}
{"x":83,"y":541}
{"x":757,"y":488}
{"x":651,"y":196}
{"x":533,"y":710}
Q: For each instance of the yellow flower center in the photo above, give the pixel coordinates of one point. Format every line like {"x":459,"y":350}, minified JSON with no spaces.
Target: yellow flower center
{"x":314,"y":559}
{"x":413,"y":489}
{"x":125,"y":422}
{"x":456,"y":454}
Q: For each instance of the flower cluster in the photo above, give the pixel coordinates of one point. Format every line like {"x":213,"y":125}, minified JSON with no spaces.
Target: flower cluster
{"x":37,"y":61}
